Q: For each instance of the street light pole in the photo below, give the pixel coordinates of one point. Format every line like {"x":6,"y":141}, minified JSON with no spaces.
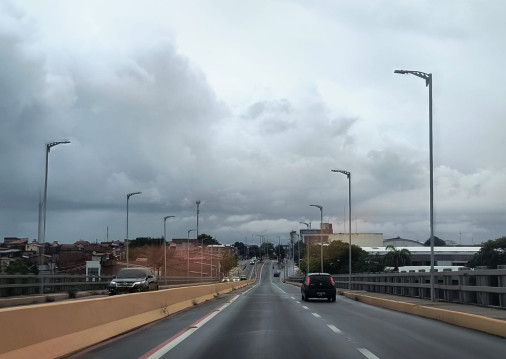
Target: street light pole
{"x":428,"y":82}
{"x":307,"y":245}
{"x":43,"y":239}
{"x":188,"y":254}
{"x":321,"y":238}
{"x":202,"y":244}
{"x":127,"y":240}
{"x":348,"y":174}
{"x":165,"y":247}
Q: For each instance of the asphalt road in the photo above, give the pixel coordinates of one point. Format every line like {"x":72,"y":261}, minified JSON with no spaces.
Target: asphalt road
{"x":268,"y":320}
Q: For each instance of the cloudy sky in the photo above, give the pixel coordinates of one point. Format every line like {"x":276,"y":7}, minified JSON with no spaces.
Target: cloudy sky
{"x":247,"y":106}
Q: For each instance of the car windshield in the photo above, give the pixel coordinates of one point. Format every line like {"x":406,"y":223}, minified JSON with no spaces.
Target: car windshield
{"x":131,"y":273}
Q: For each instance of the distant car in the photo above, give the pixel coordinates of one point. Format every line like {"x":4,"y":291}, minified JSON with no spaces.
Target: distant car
{"x":252,"y":262}
{"x":130,"y":280}
{"x":318,"y":285}
{"x":235,"y":279}
{"x":277,"y":273}
{"x":242,"y":277}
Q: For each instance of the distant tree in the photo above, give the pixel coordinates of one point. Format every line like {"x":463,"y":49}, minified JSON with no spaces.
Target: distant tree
{"x":280,"y":251}
{"x":241,"y":248}
{"x":397,"y":257}
{"x":21,"y":266}
{"x":438,"y":242}
{"x":145,"y":241}
{"x":207,"y":239}
{"x":227,"y":262}
{"x":491,"y":254}
{"x":253,"y":251}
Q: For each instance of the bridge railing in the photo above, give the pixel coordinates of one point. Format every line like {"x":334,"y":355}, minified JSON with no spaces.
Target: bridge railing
{"x":481,"y":286}
{"x":21,"y":285}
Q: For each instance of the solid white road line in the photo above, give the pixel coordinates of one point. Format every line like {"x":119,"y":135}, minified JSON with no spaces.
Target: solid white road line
{"x":169,"y":344}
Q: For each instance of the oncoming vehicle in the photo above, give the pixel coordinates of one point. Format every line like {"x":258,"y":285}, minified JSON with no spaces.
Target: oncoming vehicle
{"x":277,"y":273}
{"x":318,"y":285}
{"x":130,"y":280}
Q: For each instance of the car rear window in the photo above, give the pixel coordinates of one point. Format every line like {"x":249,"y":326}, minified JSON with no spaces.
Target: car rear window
{"x":317,"y":279}
{"x":131,"y":273}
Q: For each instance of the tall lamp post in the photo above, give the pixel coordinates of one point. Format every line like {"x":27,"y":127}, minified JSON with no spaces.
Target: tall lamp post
{"x":43,"y":239}
{"x":428,"y":82}
{"x":308,"y":225}
{"x":202,"y":244}
{"x":165,"y":247}
{"x":188,"y":253}
{"x":127,"y":240}
{"x":321,"y":238}
{"x":348,"y":174}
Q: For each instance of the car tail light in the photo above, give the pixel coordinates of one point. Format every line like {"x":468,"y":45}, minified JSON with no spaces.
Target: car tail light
{"x":332,"y":281}
{"x":308,"y":280}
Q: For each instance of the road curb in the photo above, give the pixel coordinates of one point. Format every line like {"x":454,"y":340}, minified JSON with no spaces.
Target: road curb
{"x":466,"y":320}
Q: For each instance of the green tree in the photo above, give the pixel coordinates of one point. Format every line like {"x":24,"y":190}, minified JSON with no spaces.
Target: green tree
{"x":491,"y":254}
{"x":21,"y":266}
{"x":397,"y":257}
{"x":241,"y":248}
{"x":207,"y":239}
{"x":438,"y":242}
{"x":227,"y":262}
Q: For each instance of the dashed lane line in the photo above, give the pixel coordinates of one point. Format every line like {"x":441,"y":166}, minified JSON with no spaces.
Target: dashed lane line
{"x":334,"y":328}
{"x":367,"y":353}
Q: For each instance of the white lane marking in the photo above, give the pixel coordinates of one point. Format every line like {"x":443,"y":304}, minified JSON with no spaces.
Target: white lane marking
{"x":316,"y":315}
{"x":367,"y":353}
{"x":305,"y":307}
{"x":292,"y":298}
{"x":166,"y":346}
{"x":334,"y":329}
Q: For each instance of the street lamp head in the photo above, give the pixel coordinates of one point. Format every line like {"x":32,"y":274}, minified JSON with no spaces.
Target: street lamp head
{"x":132,"y":194}
{"x":317,"y":206}
{"x":55,"y":143}
{"x":197,"y":202}
{"x":427,"y":77}
{"x":343,"y":172}
{"x":165,"y":218}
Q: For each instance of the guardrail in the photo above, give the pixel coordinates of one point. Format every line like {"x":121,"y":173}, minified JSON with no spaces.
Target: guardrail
{"x":20,"y":285}
{"x":74,"y":325}
{"x":482,"y":286}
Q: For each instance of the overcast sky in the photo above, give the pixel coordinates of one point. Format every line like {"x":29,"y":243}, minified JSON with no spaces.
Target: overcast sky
{"x":247,"y":106}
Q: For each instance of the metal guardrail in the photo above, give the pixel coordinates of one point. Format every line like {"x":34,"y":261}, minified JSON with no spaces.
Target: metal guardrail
{"x":482,"y":286}
{"x":20,"y":285}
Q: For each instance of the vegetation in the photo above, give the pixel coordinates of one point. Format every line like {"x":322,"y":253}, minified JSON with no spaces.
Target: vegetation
{"x":491,"y":254}
{"x":21,"y":266}
{"x":438,"y":242}
{"x":207,"y":239}
{"x":397,"y":257}
{"x":336,"y":259}
{"x":227,"y":262}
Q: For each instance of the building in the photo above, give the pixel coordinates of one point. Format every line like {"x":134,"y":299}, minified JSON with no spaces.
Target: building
{"x":443,"y":256}
{"x":327,"y":235}
{"x":401,"y":242}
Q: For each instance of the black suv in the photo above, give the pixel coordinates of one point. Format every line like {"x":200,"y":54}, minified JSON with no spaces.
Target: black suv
{"x":318,"y":285}
{"x":129,"y":280}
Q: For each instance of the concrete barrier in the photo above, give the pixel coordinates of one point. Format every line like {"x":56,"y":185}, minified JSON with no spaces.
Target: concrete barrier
{"x":53,"y":330}
{"x":466,"y":320}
